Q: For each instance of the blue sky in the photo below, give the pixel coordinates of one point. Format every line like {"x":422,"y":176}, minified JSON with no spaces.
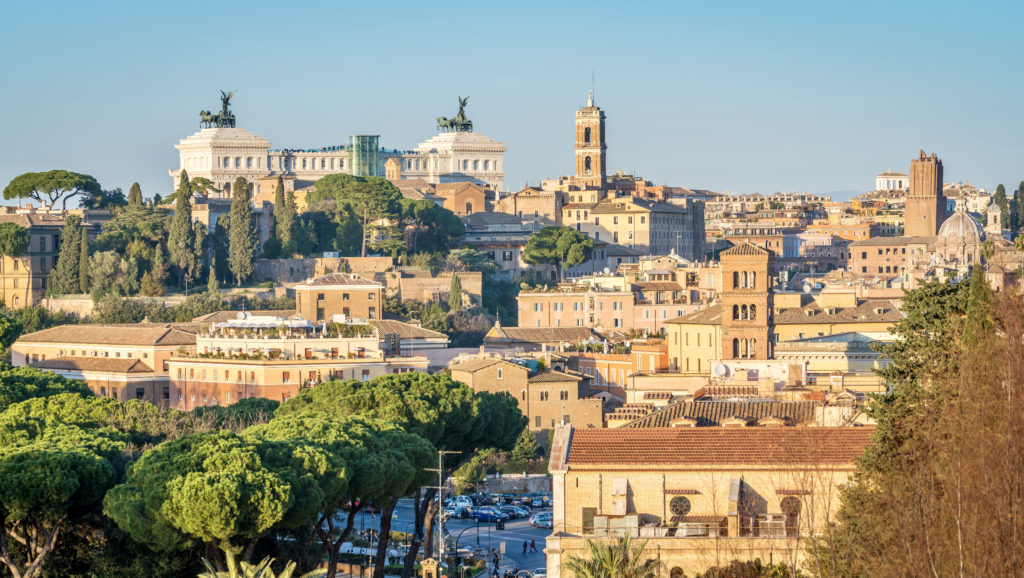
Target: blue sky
{"x":737,"y":96}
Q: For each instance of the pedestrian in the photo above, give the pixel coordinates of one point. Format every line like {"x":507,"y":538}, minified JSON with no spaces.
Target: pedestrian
{"x":526,"y":546}
{"x":533,"y":545}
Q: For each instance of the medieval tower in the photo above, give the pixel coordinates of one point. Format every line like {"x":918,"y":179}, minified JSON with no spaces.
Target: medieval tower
{"x":591,"y":165}
{"x":926,"y":206}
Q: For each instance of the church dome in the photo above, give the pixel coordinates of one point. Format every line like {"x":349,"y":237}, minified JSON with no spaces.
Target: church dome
{"x":961,"y":228}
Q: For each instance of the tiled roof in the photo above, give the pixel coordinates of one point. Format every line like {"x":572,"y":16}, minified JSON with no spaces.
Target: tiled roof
{"x":682,"y":492}
{"x":103,"y":364}
{"x":540,"y":334}
{"x":141,"y":334}
{"x":339,"y":279}
{"x":33,"y":220}
{"x":485,"y":218}
{"x":816,"y":446}
{"x":573,"y":206}
{"x":864,"y":312}
{"x":657,"y":395}
{"x":708,"y":316}
{"x":477,"y":363}
{"x":404,"y":330}
{"x":712,"y":413}
{"x":706,"y":519}
{"x":552,"y":377}
{"x":745,"y":249}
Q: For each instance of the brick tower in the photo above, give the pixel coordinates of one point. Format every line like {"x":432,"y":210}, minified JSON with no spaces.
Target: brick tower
{"x":747,"y":323}
{"x":591,"y":165}
{"x":926,"y":206}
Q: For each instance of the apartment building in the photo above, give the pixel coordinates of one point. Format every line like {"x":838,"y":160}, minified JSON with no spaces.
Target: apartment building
{"x":345,"y":294}
{"x":546,"y":398}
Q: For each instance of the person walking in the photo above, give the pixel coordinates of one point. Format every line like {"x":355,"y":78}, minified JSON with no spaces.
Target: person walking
{"x":533,"y":545}
{"x":526,"y":545}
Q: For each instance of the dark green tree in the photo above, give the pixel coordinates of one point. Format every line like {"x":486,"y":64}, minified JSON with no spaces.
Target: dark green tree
{"x":455,"y":294}
{"x":558,"y":246}
{"x":220,"y":248}
{"x":212,"y":286}
{"x":10,"y":330}
{"x":1016,"y":209}
{"x":622,"y":558}
{"x":526,"y":447}
{"x":350,"y":234}
{"x":181,"y":237}
{"x":83,"y":257}
{"x":135,"y":196}
{"x":104,"y":199}
{"x":433,"y":228}
{"x":1000,"y":199}
{"x":14,"y":240}
{"x":64,"y":278}
{"x":284,"y":216}
{"x":50,"y":187}
{"x":242,"y":242}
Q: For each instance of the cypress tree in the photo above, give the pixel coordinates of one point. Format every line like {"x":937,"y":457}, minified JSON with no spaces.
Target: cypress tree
{"x":242,"y":236}
{"x":64,"y":278}
{"x":83,"y":263}
{"x":455,"y":294}
{"x":135,"y":196}
{"x":220,"y":249}
{"x":1004,"y":206}
{"x":212,"y":286}
{"x":284,"y":217}
{"x":181,"y":239}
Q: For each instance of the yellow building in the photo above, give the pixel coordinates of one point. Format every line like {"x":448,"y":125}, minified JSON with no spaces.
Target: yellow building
{"x":700,"y":496}
{"x":338,"y":294}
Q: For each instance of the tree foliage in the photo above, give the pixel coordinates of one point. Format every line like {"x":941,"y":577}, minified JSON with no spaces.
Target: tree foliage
{"x":50,"y":187}
{"x":135,"y":196}
{"x":999,"y":198}
{"x":14,"y":240}
{"x":559,"y":247}
{"x":181,"y":239}
{"x":613,"y":558}
{"x":242,"y":240}
{"x":64,"y":278}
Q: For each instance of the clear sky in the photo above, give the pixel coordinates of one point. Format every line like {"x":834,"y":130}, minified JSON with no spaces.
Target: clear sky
{"x":730,"y":96}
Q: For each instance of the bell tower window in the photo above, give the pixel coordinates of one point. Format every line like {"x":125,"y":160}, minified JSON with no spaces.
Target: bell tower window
{"x":586,"y":135}
{"x":587,"y":165}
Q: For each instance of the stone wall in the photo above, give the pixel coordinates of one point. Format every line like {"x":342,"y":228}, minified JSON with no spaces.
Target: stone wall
{"x":517,"y":483}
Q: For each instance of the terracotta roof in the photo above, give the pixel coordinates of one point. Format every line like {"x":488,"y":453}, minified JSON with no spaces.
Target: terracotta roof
{"x":573,"y":206}
{"x":864,"y":312}
{"x":708,"y":316}
{"x":404,"y":330}
{"x":745,"y":249}
{"x":712,"y":413}
{"x":816,"y":446}
{"x":141,"y":334}
{"x":340,"y":279}
{"x":552,"y":377}
{"x":657,"y":395}
{"x":706,"y":519}
{"x":682,"y":492}
{"x":104,"y":364}
{"x":222,"y":316}
{"x":33,"y":220}
{"x":892,"y":241}
{"x":477,"y":363}
{"x":540,"y":334}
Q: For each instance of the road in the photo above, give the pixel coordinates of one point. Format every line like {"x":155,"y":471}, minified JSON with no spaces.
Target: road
{"x":477,"y":538}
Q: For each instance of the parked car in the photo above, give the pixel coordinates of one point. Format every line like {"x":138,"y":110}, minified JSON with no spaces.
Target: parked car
{"x":546,"y":523}
{"x":456,"y":512}
{"x":488,"y":514}
{"x":463,"y":502}
{"x":539,"y":517}
{"x":540,"y":573}
{"x":513,"y":512}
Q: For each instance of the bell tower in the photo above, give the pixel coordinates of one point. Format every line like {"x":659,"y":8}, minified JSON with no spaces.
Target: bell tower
{"x":591,"y":165}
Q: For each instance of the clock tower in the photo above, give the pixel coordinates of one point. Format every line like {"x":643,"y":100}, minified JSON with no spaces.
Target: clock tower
{"x":591,"y":165}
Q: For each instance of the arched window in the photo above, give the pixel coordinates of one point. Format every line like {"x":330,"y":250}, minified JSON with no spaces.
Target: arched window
{"x":735,"y":279}
{"x":735,"y":312}
{"x":487,"y":165}
{"x":753,"y":278}
{"x":476,"y":165}
{"x":746,"y":282}
{"x":677,"y":572}
{"x":586,"y":135}
{"x":735,"y":348}
{"x":746,"y":349}
{"x":469,"y":208}
{"x":790,"y":506}
{"x":753,"y":312}
{"x":752,"y":353}
{"x":586,"y":165}
{"x":744,"y":313}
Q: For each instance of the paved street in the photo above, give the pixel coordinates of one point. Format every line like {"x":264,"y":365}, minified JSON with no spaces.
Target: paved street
{"x":478,"y":538}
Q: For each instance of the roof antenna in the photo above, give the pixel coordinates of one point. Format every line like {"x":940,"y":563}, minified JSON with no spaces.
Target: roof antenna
{"x":590,"y":97}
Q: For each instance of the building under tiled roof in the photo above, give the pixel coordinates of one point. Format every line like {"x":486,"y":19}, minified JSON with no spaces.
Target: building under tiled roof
{"x":404,"y":330}
{"x":142,"y":334}
{"x":892,"y":241}
{"x":867,"y":311}
{"x":657,"y":286}
{"x":745,"y":249}
{"x":712,"y":413}
{"x":813,"y":446}
{"x":101,"y":364}
{"x":711,"y":315}
{"x":340,"y":280}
